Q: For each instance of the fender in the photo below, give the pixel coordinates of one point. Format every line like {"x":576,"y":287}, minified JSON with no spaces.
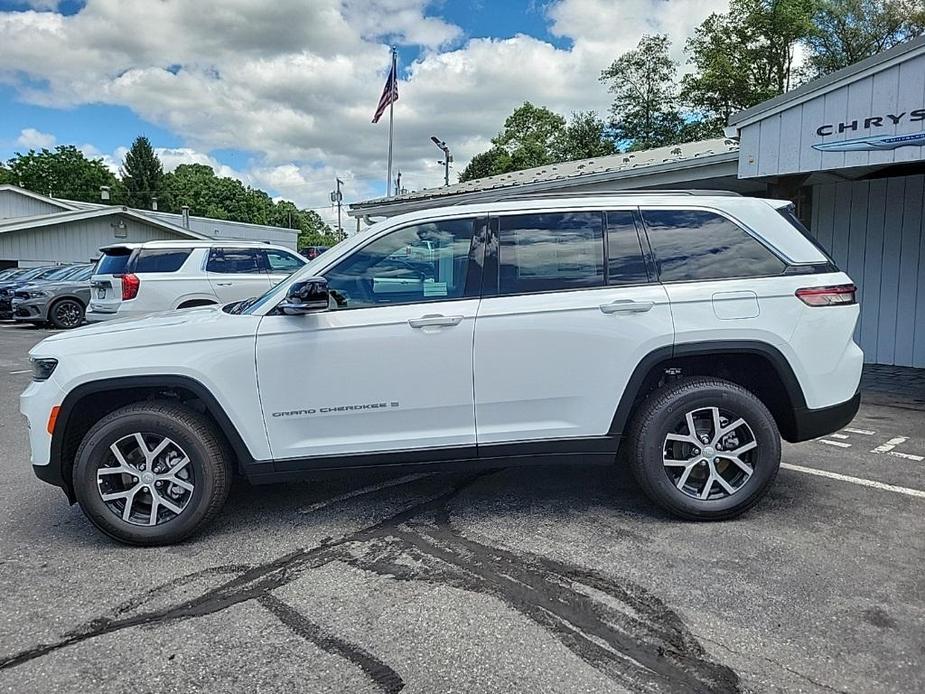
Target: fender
{"x":55,"y":471}
{"x":631,"y":393}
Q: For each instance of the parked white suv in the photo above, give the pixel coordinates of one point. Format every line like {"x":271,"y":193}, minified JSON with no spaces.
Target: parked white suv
{"x":135,"y":279}
{"x":688,"y":331}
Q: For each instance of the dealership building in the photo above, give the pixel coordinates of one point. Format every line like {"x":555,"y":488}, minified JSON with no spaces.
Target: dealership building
{"x":39,"y":230}
{"x":848,"y":149}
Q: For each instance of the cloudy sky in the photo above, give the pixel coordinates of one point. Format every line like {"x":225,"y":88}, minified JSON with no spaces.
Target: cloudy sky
{"x":280,"y":94}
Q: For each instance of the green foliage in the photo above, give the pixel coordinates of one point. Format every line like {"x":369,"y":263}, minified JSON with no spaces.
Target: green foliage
{"x":744,"y":57}
{"x":142,"y":174}
{"x":645,"y":108}
{"x":535,"y":136}
{"x":64,"y":172}
{"x":847,"y":31}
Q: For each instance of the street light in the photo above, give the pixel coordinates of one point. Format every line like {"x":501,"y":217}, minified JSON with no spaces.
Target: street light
{"x":447,"y":158}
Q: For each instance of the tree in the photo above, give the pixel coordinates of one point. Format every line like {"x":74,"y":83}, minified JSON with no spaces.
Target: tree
{"x":744,"y":57}
{"x":645,"y":108}
{"x":585,"y":137}
{"x":142,"y":174}
{"x":64,"y":172}
{"x":847,"y":31}
{"x":535,"y":136}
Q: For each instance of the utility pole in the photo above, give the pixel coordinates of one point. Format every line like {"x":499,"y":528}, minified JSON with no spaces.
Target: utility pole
{"x":447,"y":158}
{"x":336,"y":198}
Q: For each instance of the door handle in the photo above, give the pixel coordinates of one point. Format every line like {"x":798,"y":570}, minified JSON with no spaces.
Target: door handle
{"x":434,"y":320}
{"x":627,"y":306}
{"x":224,"y":284}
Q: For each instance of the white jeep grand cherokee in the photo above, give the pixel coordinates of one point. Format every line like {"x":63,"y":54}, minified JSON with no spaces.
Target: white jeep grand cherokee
{"x":690,"y":331}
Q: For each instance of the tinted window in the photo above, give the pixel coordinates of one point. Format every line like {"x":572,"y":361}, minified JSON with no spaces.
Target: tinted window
{"x":234,"y":261}
{"x":546,"y":252}
{"x":789,"y":213}
{"x":428,"y":262}
{"x":161,"y":260}
{"x":113,"y":262}
{"x":625,"y":262}
{"x":280,"y":261}
{"x":700,"y":245}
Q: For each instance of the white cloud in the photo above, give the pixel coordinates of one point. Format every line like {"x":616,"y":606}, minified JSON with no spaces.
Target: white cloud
{"x":30,"y":138}
{"x":295,"y":82}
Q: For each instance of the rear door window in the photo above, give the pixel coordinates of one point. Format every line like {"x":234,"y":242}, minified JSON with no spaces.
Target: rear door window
{"x":237,"y":261}
{"x":550,"y":252}
{"x":704,"y":245}
{"x":161,"y":259}
{"x":625,"y":262}
{"x":281,"y":262}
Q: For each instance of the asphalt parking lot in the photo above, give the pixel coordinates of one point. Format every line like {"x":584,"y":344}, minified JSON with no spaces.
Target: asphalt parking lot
{"x":541,"y":580}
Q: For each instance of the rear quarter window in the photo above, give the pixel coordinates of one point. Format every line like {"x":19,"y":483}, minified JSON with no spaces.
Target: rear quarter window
{"x":113,"y":262}
{"x":160,"y":260}
{"x":704,"y":245}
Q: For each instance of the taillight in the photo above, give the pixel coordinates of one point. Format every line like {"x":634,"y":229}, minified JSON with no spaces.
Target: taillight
{"x":130,"y":284}
{"x":839,"y":295}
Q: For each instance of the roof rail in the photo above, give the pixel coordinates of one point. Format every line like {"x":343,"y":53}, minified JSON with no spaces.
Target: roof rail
{"x":503,"y":195}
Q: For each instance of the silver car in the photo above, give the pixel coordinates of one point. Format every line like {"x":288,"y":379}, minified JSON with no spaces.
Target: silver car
{"x":60,"y":302}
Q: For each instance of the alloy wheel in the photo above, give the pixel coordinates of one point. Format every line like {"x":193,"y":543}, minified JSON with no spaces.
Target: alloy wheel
{"x":147,"y":479}
{"x":710,"y":454}
{"x":67,"y":314}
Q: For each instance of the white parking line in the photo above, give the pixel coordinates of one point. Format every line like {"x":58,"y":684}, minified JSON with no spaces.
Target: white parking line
{"x":863,"y":432}
{"x":855,"y":480}
{"x":840,"y":444}
{"x":890,"y":445}
{"x":24,"y":371}
{"x":839,"y":436}
{"x":908,"y":456}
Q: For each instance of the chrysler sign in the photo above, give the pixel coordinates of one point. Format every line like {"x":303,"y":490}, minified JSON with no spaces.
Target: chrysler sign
{"x":872,"y":141}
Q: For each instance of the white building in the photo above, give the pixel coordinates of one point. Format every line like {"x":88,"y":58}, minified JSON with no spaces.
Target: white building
{"x":39,"y":230}
{"x":848,"y":149}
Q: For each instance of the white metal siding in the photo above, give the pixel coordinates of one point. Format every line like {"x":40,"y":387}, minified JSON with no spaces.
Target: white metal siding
{"x":78,"y":241}
{"x":14,"y":205}
{"x":782,"y":142}
{"x":875,"y":231}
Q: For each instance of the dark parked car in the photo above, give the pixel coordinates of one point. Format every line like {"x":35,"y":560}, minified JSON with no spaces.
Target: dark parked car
{"x":9,"y":285}
{"x":61,"y":301}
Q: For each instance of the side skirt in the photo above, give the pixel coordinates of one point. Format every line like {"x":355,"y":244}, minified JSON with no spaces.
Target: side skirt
{"x":600,"y":450}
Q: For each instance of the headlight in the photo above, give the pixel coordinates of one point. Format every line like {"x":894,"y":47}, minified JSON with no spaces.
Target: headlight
{"x":36,"y":294}
{"x":43,"y":368}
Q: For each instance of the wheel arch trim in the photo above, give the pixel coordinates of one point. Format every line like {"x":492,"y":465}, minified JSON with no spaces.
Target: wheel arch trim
{"x":704,"y":348}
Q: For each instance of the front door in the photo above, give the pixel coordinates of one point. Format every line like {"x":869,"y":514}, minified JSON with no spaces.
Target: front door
{"x":574,"y":310}
{"x":389,"y":368}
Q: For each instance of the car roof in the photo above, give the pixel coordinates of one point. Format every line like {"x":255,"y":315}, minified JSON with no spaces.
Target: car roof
{"x":205,"y":243}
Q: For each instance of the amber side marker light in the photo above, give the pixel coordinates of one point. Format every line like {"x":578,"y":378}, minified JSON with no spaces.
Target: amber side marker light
{"x":838,"y":295}
{"x":52,"y":418}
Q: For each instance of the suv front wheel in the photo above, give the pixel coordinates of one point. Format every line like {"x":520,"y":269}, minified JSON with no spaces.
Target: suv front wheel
{"x":704,"y":448}
{"x":151,"y":473}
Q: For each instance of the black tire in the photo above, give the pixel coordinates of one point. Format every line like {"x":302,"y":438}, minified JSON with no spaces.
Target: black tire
{"x":193,"y":432}
{"x":664,"y":410}
{"x":195,"y":303}
{"x":66,"y":314}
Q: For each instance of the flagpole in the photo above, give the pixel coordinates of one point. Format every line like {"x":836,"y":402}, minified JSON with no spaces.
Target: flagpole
{"x":391,"y":123}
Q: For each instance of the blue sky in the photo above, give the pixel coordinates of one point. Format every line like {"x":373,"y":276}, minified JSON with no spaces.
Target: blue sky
{"x":280,"y":94}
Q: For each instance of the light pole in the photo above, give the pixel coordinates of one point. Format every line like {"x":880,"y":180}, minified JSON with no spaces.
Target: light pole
{"x":447,"y":158}
{"x":336,"y":198}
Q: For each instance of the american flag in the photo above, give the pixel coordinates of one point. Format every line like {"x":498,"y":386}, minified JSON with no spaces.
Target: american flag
{"x":389,"y":94}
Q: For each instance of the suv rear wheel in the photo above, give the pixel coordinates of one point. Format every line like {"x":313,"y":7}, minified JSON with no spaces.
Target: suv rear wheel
{"x":704,"y":448}
{"x":151,"y":473}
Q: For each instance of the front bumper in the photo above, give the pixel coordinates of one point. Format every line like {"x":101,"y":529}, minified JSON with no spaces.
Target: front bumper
{"x":813,"y":423}
{"x":29,"y":309}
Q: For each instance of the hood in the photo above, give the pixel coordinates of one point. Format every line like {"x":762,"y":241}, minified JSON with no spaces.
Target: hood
{"x":53,"y":287}
{"x":168,"y":328}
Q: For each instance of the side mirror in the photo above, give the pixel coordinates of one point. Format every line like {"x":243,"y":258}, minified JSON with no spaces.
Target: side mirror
{"x":307,"y":296}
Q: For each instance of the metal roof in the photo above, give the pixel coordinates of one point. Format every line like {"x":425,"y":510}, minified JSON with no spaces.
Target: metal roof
{"x":875,"y":63}
{"x":22,"y":223}
{"x":574,"y":173}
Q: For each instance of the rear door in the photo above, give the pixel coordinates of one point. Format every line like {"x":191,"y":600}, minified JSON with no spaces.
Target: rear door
{"x":106,"y":283}
{"x":573,"y":310}
{"x":237,"y":273}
